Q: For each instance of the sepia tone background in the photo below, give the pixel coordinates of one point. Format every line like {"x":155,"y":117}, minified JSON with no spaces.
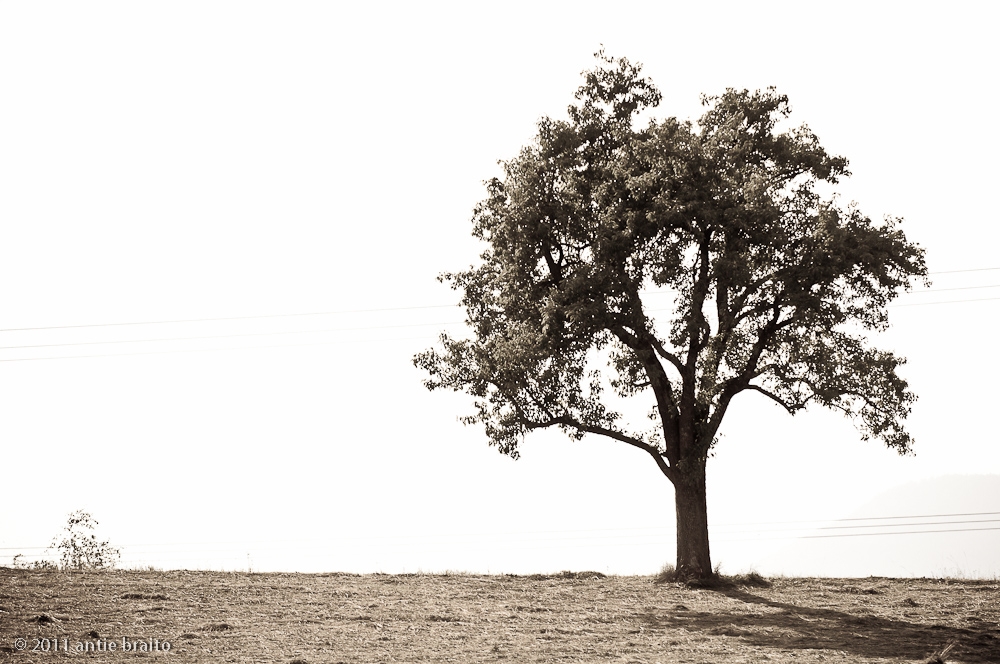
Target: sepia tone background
{"x":288,"y":180}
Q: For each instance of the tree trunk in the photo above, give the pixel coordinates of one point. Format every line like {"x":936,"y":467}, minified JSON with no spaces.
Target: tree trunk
{"x":693,"y":558}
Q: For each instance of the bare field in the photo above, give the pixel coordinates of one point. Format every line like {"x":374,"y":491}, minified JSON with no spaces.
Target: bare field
{"x":583,"y":617}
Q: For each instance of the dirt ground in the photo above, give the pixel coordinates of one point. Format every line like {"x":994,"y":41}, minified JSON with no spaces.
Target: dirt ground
{"x":182,"y":616}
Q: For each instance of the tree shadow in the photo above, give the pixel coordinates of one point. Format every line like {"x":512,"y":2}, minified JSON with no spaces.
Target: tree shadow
{"x":802,"y":627}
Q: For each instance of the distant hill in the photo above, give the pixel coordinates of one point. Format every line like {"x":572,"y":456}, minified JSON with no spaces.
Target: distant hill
{"x":849,"y":547}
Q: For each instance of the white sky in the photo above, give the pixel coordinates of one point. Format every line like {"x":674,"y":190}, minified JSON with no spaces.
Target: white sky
{"x":186,"y":160}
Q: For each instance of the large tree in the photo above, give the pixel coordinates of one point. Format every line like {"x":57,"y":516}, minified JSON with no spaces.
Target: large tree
{"x":773,"y":287}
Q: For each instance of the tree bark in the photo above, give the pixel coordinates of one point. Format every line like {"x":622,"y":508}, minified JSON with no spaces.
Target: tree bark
{"x":694,"y":560}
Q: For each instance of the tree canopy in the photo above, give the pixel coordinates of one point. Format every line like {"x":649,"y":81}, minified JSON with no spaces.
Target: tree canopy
{"x":774,"y":288}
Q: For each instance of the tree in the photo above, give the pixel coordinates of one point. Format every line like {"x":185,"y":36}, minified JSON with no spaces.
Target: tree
{"x":774,"y":288}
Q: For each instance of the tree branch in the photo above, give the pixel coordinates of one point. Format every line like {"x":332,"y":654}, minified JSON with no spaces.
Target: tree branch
{"x":791,"y":408}
{"x":565,"y":420}
{"x":762,"y":340}
{"x":664,"y":353}
{"x":699,"y":291}
{"x":660,"y":384}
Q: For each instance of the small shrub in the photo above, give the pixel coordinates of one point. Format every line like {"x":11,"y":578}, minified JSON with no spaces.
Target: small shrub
{"x":80,"y":549}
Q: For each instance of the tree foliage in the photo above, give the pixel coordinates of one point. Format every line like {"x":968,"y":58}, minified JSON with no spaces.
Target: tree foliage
{"x":774,"y":288}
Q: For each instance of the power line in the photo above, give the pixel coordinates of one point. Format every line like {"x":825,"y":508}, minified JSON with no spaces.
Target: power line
{"x":642,"y":531}
{"x":977,"y":269}
{"x":905,"y":524}
{"x":941,"y":290}
{"x":893,"y":532}
{"x":501,"y":544}
{"x":927,"y":304}
{"x":357,"y":311}
{"x":198,"y":350}
{"x":263,"y":334}
{"x":209,"y":320}
{"x":899,"y":532}
{"x":870,"y":525}
{"x":340,"y":329}
{"x":208,"y":350}
{"x":859,"y":518}
{"x":232,"y":336}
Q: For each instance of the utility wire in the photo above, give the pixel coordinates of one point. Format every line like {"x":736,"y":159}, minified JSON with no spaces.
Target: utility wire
{"x":747,"y":528}
{"x":927,"y":304}
{"x":232,"y":336}
{"x":507,"y":544}
{"x":263,"y":334}
{"x":642,"y":530}
{"x":358,"y":311}
{"x":941,"y":290}
{"x":977,"y":269}
{"x":531,"y":546}
{"x":211,"y":350}
{"x":860,"y":518}
{"x":868,"y":525}
{"x":207,"y":320}
{"x":198,"y":350}
{"x":898,"y":532}
{"x":336,"y":329}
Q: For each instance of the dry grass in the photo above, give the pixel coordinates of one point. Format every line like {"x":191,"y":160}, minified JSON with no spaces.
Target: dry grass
{"x":582,"y":617}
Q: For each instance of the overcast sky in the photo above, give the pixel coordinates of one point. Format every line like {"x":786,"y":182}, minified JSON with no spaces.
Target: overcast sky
{"x":304,"y":170}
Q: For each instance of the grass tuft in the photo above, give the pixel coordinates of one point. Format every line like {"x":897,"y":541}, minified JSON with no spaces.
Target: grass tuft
{"x":669,"y":574}
{"x":752,"y":579}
